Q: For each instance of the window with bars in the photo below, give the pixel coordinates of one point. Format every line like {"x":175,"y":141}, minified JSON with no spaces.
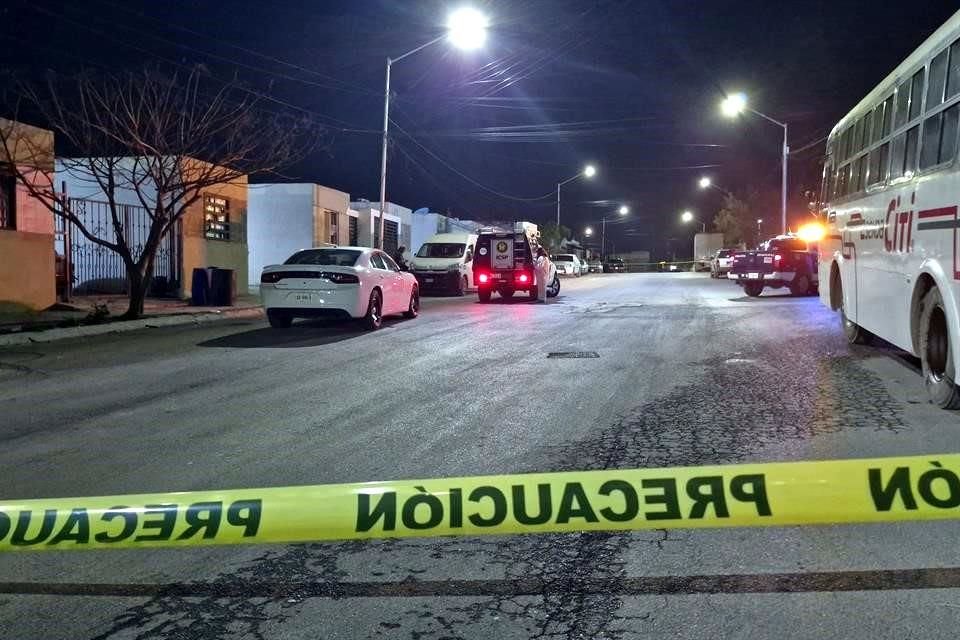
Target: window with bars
{"x":334,"y":233}
{"x":8,"y":201}
{"x":216,"y":218}
{"x":354,"y":234}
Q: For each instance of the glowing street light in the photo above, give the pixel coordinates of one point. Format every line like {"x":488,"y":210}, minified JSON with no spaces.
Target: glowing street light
{"x":623,"y":210}
{"x":706,"y":182}
{"x":588,"y":231}
{"x":687,"y":217}
{"x":466,"y":30}
{"x":735,"y":104}
{"x":588,"y":172}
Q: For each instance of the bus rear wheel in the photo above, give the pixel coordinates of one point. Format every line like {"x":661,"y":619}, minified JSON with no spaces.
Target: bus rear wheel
{"x":936,"y":355}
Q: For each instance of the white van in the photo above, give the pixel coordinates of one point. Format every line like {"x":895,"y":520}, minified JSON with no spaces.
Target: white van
{"x":444,"y":263}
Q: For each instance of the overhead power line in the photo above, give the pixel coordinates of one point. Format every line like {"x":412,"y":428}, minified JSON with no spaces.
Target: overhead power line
{"x":453,"y":169}
{"x":341,"y":85}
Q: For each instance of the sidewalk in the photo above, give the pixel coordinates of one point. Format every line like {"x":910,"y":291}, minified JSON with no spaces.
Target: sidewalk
{"x":95,"y":315}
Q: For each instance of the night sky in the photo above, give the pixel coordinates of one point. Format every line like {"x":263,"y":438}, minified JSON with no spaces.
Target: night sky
{"x":631,"y":86}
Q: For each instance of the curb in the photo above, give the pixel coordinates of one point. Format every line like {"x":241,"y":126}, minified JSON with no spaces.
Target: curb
{"x":65,"y":333}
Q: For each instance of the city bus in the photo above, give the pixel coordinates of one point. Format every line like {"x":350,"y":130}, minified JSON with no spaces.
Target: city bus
{"x":889,"y":261}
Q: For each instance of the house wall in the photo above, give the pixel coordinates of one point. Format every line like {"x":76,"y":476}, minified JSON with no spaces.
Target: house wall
{"x":27,"y":260}
{"x":369,"y":215}
{"x":199,"y":251}
{"x":326,"y":201}
{"x":280,"y":221}
{"x":422,"y":226}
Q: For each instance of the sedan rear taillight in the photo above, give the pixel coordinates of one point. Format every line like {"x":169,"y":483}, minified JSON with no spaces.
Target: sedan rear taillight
{"x":270,"y":278}
{"x":483,"y":278}
{"x":341,"y":278}
{"x":523,"y":277}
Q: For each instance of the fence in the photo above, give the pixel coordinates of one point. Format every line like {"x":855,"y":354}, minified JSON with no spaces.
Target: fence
{"x":93,"y":268}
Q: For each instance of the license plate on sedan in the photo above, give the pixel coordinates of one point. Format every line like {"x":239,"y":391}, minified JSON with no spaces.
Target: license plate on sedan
{"x":428,"y":279}
{"x":753,"y":276}
{"x":303,"y":297}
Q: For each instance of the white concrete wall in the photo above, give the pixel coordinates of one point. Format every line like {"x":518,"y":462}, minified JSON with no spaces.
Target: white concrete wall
{"x":369,"y":214}
{"x":280,"y":221}
{"x":422,"y":227}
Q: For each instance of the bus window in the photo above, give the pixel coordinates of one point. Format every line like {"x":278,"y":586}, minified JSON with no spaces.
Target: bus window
{"x":939,"y":138}
{"x":867,"y":130}
{"x":896,"y":156}
{"x":953,"y":76}
{"x":916,"y":93}
{"x":910,"y":155}
{"x":857,"y":136}
{"x":887,"y":116}
{"x":931,"y":141}
{"x":856,"y":177}
{"x":937,"y":81}
{"x":878,"y":163}
{"x":903,"y":105}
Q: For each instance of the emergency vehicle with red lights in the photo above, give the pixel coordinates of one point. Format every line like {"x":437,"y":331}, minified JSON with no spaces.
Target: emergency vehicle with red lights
{"x":890,"y":259}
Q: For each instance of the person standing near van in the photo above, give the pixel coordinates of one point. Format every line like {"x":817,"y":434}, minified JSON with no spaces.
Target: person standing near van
{"x":542,"y":267}
{"x":400,"y":258}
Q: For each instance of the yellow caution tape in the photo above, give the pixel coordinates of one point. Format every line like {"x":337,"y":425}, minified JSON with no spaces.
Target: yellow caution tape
{"x":746,"y":495}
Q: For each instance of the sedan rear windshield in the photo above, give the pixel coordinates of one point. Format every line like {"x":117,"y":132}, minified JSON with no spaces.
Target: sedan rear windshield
{"x":441,"y":250}
{"x":724,"y":254}
{"x":329,"y":257}
{"x":563,"y":258}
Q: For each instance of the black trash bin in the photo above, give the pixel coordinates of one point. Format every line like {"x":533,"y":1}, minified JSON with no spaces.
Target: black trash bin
{"x":200,"y":288}
{"x":222,"y":287}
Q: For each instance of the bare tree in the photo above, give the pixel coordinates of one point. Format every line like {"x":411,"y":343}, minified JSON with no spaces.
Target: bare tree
{"x":164,"y":138}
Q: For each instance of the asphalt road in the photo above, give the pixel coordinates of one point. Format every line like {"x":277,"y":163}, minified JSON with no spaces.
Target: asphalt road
{"x":690,"y":372}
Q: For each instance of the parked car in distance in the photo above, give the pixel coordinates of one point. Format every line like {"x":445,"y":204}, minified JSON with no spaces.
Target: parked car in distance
{"x":595,"y":266}
{"x":722,"y":261}
{"x":567,"y":264}
{"x":444,"y":263}
{"x":584,"y":266}
{"x":338,"y":282}
{"x":614,"y":265}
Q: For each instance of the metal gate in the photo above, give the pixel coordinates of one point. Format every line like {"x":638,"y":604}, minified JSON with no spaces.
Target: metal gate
{"x":95,"y":269}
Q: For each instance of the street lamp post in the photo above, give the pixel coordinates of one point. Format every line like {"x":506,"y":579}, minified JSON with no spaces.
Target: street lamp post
{"x":735,"y":104}
{"x":759,"y":222}
{"x":588,"y":172}
{"x":687,"y":217}
{"x":622,"y":211}
{"x":466,"y":29}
